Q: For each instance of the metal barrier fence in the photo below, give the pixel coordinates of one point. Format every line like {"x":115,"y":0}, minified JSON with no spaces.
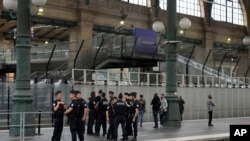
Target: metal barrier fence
{"x":230,"y":101}
{"x":41,"y":119}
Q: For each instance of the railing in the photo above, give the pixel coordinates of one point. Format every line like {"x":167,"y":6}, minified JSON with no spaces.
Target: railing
{"x":109,"y":77}
{"x":38,"y":55}
{"x":2,"y":58}
{"x":207,"y":70}
{"x":41,"y":119}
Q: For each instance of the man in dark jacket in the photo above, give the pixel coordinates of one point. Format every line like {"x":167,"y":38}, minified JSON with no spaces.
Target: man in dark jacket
{"x":58,"y":112}
{"x":101,"y":107}
{"x":92,"y":113}
{"x":156,"y":103}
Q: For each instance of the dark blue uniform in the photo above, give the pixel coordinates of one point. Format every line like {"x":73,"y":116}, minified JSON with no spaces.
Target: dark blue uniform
{"x":120,"y":111}
{"x":110,"y":109}
{"x":135,"y":105}
{"x":58,"y":121}
{"x":75,"y":119}
{"x":92,"y":116}
{"x":101,"y":116}
{"x":129,"y":117}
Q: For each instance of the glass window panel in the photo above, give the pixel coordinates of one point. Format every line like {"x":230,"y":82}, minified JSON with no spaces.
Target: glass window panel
{"x":227,"y":11}
{"x":189,"y":7}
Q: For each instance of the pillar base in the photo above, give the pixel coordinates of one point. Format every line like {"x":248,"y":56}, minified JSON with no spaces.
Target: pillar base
{"x":172,"y":118}
{"x":22,"y":103}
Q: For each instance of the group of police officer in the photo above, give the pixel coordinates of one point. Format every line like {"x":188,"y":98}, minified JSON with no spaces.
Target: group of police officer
{"x":100,"y":111}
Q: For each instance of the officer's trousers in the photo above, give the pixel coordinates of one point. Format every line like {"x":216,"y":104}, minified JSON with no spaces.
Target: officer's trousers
{"x":91,"y":120}
{"x":135,"y":127}
{"x":110,"y":133}
{"x":77,"y":127}
{"x":58,"y":128}
{"x":101,"y":120}
{"x":119,"y":119}
{"x":128,"y":127}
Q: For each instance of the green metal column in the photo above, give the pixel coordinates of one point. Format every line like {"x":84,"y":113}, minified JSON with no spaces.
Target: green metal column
{"x":173,"y":114}
{"x":22,"y":99}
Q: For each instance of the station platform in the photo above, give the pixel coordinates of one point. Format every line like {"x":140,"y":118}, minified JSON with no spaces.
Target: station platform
{"x":191,"y":130}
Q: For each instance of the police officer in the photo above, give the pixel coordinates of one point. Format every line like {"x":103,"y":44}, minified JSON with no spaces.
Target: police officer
{"x":110,"y":113}
{"x":101,"y":107}
{"x":111,"y":95}
{"x":92,"y":113}
{"x":128,"y":115}
{"x":77,"y":115}
{"x":135,"y":110}
{"x":110,"y":117}
{"x":58,"y":110}
{"x":98,"y":98}
{"x":120,"y":111}
{"x":82,"y":103}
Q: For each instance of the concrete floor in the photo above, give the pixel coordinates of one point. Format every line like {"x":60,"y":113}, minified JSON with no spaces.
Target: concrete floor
{"x":190,"y":130}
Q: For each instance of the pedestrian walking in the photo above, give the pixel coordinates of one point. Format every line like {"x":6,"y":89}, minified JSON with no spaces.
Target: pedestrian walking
{"x":58,"y":114}
{"x":181,"y":106}
{"x":156,"y":103}
{"x":210,"y":106}
{"x":142,"y":110}
{"x":163,"y":108}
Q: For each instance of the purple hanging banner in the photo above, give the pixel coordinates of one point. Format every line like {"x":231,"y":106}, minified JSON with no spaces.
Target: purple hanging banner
{"x":146,"y":42}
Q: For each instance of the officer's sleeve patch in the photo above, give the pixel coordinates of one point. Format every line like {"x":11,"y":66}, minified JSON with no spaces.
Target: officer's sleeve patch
{"x":94,"y":103}
{"x":54,"y":104}
{"x":137,"y":106}
{"x":72,"y":105}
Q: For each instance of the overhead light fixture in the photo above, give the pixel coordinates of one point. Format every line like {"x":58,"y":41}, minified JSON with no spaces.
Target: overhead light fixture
{"x":228,"y":40}
{"x":40,"y":9}
{"x":246,"y":40}
{"x":158,"y":26}
{"x":181,"y":32}
{"x":46,"y":42}
{"x":121,"y":22}
{"x":123,"y":18}
{"x":11,"y":5}
{"x":184,"y":24}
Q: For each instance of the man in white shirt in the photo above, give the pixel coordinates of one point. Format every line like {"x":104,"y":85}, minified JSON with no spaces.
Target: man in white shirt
{"x":163,"y":108}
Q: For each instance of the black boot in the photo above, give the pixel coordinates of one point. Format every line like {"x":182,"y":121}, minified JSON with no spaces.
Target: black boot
{"x":134,"y":139}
